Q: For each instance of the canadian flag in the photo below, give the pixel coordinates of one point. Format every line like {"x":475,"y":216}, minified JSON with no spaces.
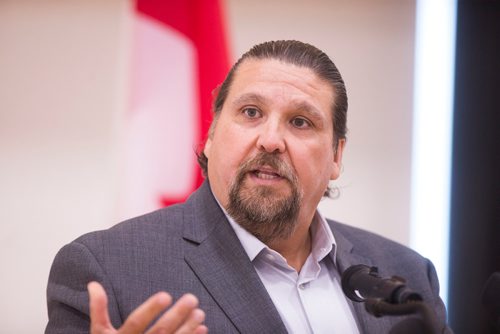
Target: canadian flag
{"x":179,"y":57}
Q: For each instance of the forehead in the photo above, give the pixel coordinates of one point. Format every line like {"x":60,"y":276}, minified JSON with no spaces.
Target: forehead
{"x":275,"y":77}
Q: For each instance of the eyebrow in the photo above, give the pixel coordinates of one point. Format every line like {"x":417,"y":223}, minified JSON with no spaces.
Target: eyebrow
{"x":300,"y":106}
{"x":249,"y":98}
{"x":310,"y":110}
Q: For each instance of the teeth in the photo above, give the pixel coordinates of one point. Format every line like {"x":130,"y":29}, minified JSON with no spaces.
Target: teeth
{"x":266,"y":176}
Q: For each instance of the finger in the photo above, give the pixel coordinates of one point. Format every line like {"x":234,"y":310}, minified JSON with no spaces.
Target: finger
{"x":202,"y":329}
{"x":141,"y":317}
{"x":176,"y":316}
{"x":98,"y":304}
{"x":193,"y":323}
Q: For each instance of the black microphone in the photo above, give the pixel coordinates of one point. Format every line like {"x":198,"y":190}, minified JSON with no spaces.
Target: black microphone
{"x":491,"y":298}
{"x":361,"y":282}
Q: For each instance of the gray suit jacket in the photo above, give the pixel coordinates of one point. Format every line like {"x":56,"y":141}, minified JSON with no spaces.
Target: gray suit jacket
{"x":192,"y":248}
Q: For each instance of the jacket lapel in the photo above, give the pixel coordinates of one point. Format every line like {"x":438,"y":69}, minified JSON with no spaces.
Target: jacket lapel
{"x":346,"y":257}
{"x":216,"y":256}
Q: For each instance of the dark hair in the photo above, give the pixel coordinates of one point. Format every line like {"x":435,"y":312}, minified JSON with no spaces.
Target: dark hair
{"x":295,"y":53}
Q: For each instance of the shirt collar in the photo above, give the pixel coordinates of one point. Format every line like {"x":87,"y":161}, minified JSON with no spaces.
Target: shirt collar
{"x":250,"y":243}
{"x":323,"y":241}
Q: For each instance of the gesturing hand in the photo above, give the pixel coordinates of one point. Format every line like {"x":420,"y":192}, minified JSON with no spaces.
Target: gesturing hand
{"x":183,"y":317}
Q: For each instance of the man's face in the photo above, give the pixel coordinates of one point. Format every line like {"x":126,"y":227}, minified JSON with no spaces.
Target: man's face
{"x":272,"y":147}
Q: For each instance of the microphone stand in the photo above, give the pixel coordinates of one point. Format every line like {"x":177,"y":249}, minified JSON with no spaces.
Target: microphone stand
{"x":425,"y":324}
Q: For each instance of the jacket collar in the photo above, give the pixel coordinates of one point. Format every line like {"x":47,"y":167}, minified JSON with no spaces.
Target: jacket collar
{"x":348,"y":256}
{"x":213,"y":253}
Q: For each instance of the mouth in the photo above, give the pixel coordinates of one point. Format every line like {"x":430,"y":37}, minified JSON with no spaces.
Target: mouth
{"x":264,"y":173}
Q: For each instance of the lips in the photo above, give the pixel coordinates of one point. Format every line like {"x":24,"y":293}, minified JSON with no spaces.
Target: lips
{"x":266,"y":175}
{"x":266,"y":167}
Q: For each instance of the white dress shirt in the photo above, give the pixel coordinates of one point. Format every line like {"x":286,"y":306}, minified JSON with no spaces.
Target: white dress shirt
{"x":312,"y":300}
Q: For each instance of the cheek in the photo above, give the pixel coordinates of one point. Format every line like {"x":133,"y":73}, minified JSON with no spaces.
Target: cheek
{"x":226,"y":156}
{"x":314,"y":166}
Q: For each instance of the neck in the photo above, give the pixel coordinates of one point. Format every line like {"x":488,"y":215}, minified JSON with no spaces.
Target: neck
{"x":296,"y":248}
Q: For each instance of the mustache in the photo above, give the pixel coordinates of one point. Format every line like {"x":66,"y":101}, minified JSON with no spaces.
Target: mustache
{"x":271,"y":160}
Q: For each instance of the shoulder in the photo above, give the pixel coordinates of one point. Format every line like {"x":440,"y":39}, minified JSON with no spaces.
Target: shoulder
{"x":362,"y":238}
{"x":148,"y":230}
{"x":195,"y":216}
{"x":392,"y":258}
{"x":368,"y":242}
{"x":129,"y":249}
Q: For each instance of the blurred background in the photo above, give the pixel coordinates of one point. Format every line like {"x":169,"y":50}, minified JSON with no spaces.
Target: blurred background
{"x":82,"y":145}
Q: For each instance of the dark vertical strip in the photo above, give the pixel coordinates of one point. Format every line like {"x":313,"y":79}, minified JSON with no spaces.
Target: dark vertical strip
{"x":475,"y":197}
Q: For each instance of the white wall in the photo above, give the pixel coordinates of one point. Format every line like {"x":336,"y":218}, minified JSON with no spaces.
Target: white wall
{"x":60,"y":88}
{"x":63,"y":69}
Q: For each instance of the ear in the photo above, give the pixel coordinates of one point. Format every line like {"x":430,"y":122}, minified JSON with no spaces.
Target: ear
{"x":208,"y":146}
{"x":337,"y":160}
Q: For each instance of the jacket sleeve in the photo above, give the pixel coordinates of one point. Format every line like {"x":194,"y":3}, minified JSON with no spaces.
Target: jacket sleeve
{"x":67,"y":299}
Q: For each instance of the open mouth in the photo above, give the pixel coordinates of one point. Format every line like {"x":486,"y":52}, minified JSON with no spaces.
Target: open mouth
{"x":266,"y":174}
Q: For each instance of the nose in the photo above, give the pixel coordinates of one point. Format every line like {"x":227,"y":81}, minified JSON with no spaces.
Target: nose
{"x":271,"y":138}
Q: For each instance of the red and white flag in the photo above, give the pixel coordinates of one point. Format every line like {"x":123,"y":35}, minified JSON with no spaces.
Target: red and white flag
{"x":179,"y":56}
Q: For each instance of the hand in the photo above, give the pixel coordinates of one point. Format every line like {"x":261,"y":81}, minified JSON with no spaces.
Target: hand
{"x":183,"y":317}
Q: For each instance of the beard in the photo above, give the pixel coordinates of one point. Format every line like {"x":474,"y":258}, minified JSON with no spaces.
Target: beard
{"x":263,"y":211}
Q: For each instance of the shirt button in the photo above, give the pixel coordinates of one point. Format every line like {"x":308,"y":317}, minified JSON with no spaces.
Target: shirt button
{"x":302,"y":286}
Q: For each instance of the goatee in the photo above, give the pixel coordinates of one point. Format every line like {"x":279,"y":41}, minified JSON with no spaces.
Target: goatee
{"x":264,"y":211}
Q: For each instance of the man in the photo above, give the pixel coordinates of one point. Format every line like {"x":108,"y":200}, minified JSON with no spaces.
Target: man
{"x":250,"y":244}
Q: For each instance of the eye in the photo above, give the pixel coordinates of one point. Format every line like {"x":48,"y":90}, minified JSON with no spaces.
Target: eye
{"x":251,"y":112}
{"x":301,"y":123}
